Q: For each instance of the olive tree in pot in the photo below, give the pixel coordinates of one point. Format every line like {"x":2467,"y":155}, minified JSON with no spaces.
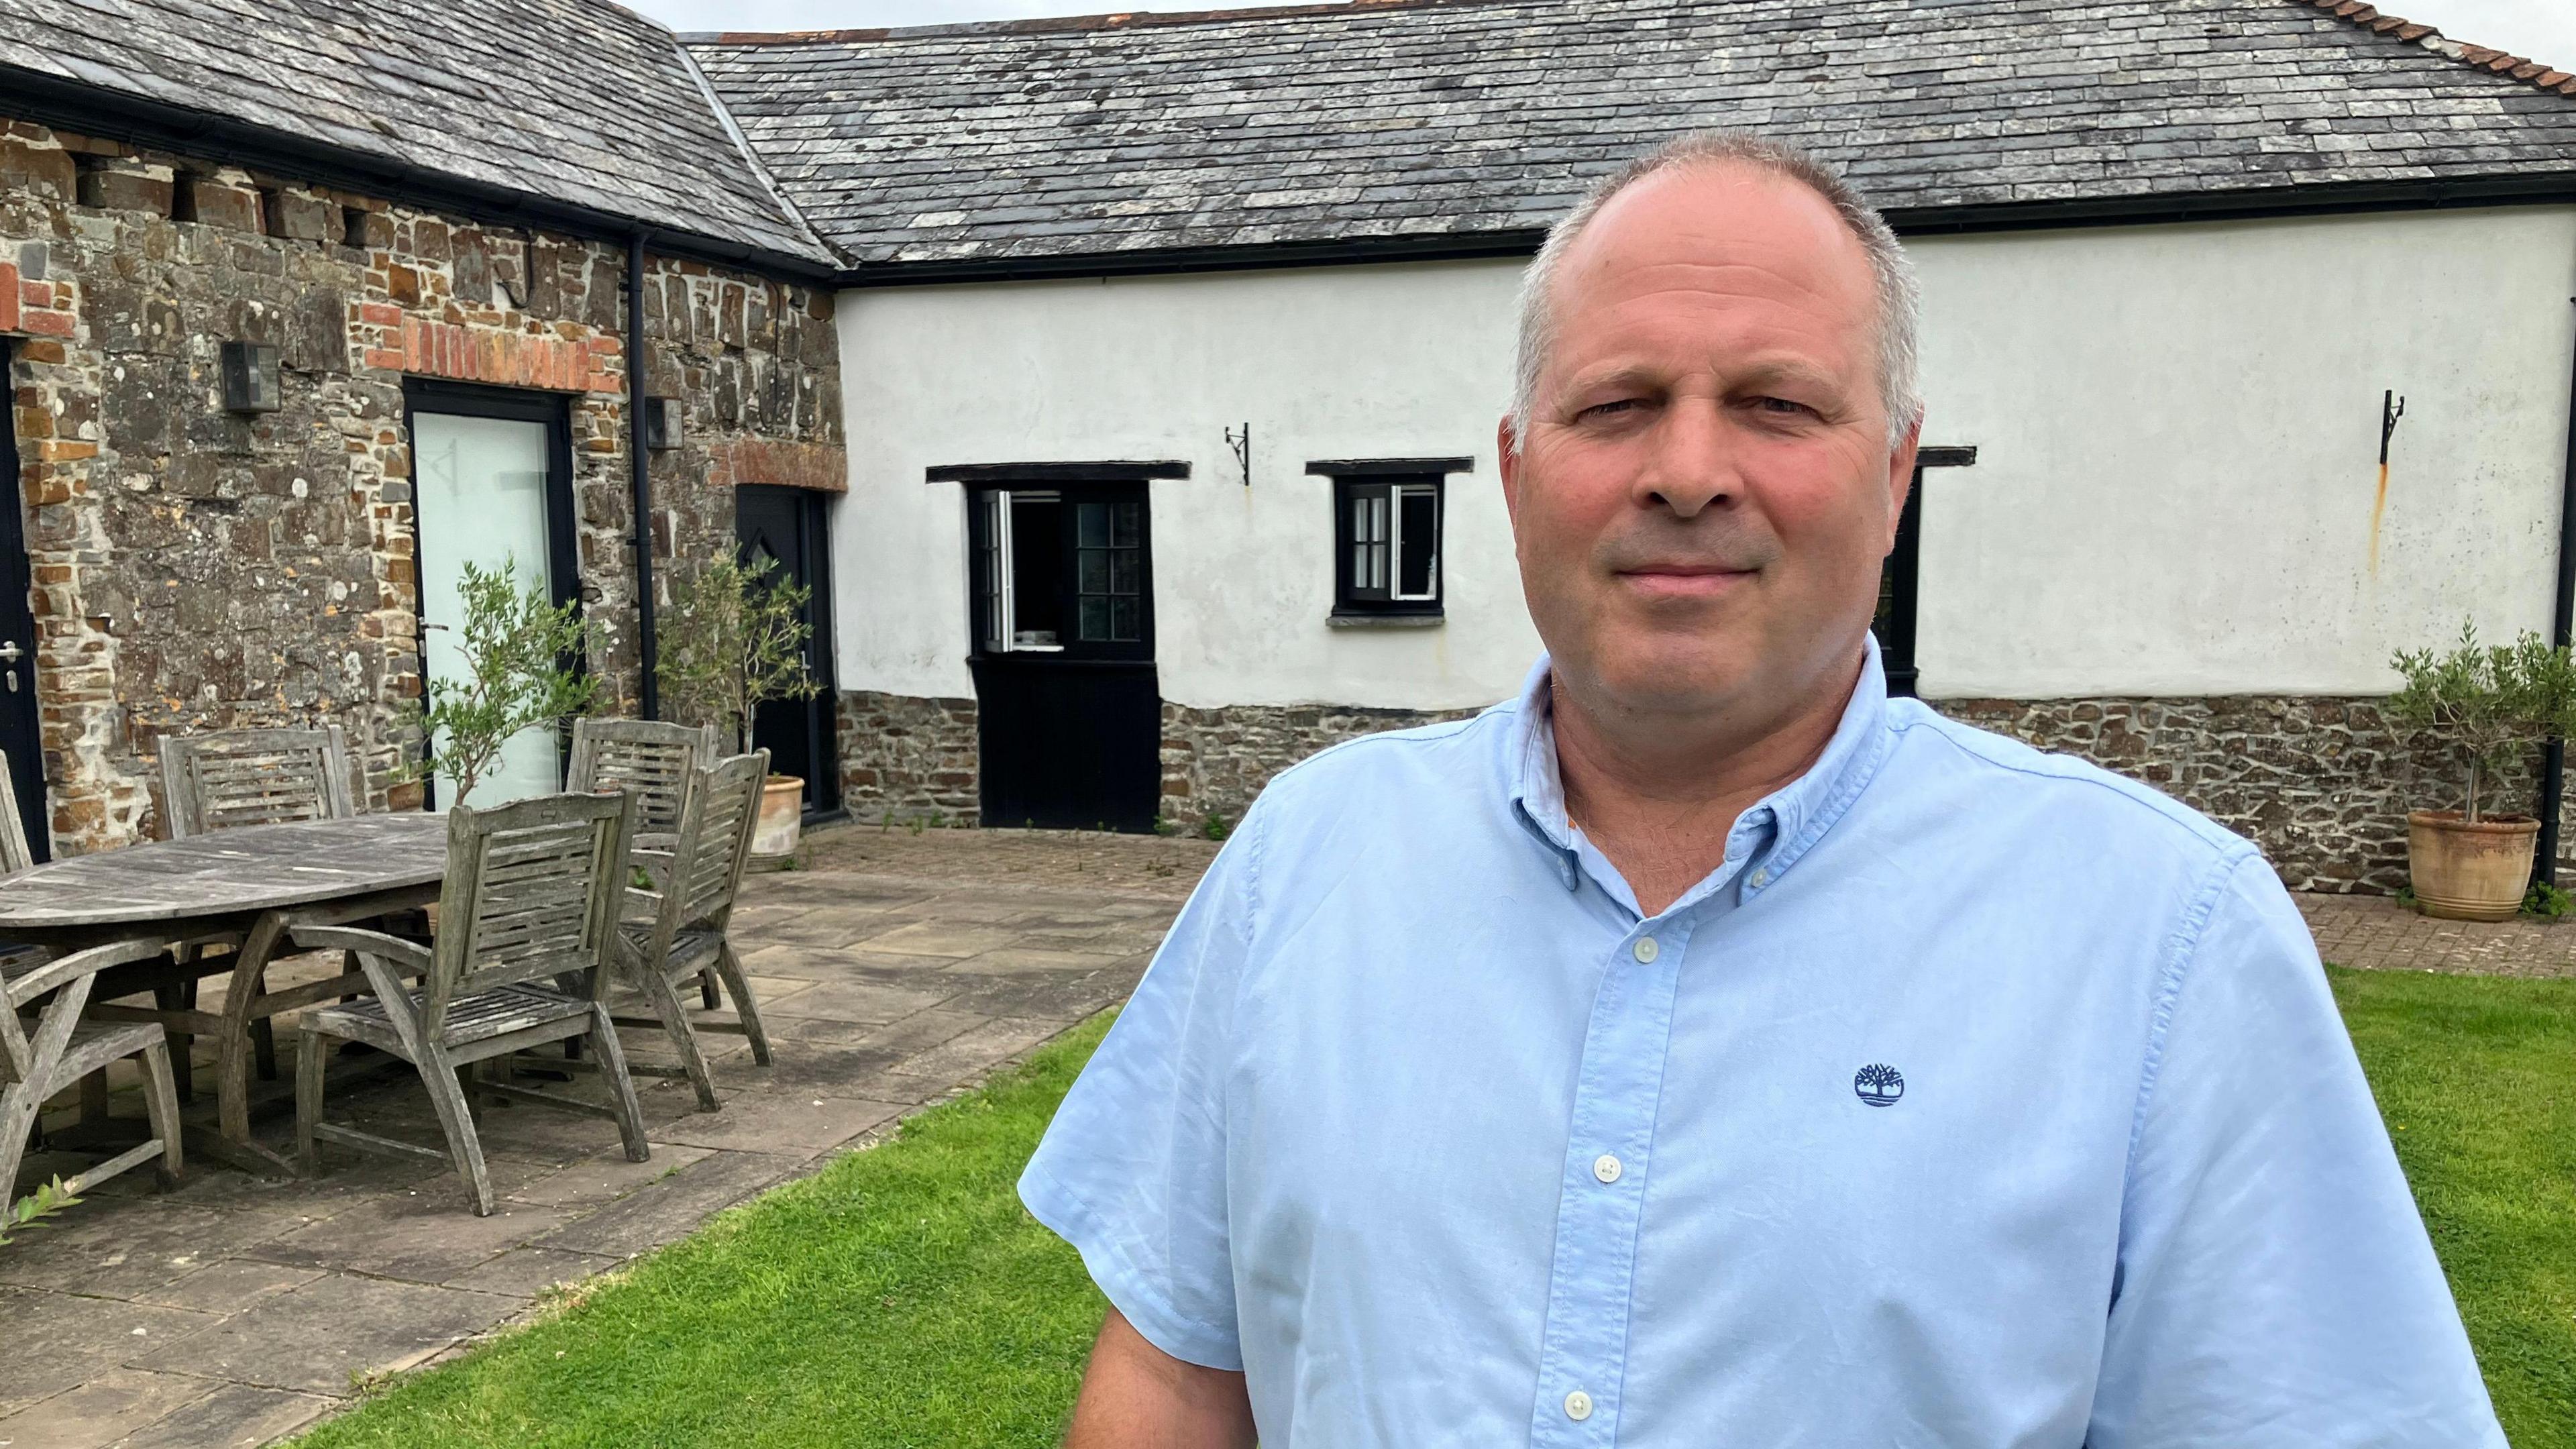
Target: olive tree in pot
{"x":2492,"y":703}
{"x":518,"y":657}
{"x":733,"y":639}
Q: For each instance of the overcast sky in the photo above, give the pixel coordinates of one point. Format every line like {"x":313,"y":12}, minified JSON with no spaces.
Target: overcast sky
{"x":2542,"y":29}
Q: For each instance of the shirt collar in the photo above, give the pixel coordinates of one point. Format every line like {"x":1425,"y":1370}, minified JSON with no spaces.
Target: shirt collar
{"x":1787,"y":821}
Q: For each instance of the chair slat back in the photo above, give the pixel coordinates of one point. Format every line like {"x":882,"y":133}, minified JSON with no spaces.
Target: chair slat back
{"x":652,"y":758}
{"x":532,"y":892}
{"x":728,"y":807}
{"x":255,"y":777}
{"x":14,"y":855}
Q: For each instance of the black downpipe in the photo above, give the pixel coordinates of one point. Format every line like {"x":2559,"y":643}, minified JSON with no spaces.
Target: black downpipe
{"x":2553,"y":767}
{"x":650,"y":703}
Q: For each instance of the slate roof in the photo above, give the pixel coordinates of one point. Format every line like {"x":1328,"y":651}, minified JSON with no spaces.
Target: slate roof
{"x":960,"y":148}
{"x":577,"y":101}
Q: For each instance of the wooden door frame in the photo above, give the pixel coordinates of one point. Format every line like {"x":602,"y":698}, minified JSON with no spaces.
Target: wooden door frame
{"x":18,"y":619}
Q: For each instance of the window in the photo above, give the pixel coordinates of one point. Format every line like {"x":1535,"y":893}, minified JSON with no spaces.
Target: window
{"x":1387,"y":524}
{"x":1061,"y":571}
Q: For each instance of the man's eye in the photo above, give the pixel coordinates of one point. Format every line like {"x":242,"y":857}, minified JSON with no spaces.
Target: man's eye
{"x":1618,"y":405}
{"x":1783,"y":406}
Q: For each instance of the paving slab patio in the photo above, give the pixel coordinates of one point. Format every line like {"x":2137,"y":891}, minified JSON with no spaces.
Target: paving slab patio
{"x":896,"y":969}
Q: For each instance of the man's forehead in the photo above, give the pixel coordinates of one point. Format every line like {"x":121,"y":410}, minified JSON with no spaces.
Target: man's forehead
{"x":1720,"y":214}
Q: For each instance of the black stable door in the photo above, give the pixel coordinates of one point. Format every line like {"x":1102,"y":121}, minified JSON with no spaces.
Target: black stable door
{"x":783,"y":529}
{"x":18,"y":738}
{"x":1068,"y":710}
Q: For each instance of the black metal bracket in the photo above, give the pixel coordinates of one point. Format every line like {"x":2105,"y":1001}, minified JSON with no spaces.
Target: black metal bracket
{"x":1241,"y":443}
{"x":2391,"y":408}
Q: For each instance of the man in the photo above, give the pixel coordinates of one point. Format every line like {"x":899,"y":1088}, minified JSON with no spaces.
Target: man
{"x":1705,"y":1049}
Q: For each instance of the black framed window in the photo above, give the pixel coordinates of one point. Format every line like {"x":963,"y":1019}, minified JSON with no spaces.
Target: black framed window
{"x":1899,"y":577}
{"x":1062,"y":571}
{"x":1388,"y":519}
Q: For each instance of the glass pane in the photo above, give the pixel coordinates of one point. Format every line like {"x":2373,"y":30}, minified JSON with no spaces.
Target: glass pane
{"x":1037,"y":570}
{"x":1122,"y":620}
{"x":1095,"y":621}
{"x":1094,"y":572}
{"x":482,"y":499}
{"x":1094,"y":525}
{"x":1417,"y":568}
{"x":1122,"y":571}
{"x":1125,"y":534}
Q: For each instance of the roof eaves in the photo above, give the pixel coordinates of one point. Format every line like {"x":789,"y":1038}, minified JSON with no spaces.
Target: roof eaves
{"x":2480,"y":57}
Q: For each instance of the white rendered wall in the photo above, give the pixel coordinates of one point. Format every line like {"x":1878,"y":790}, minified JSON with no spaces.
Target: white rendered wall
{"x":2177,"y":431}
{"x":2178,"y":438}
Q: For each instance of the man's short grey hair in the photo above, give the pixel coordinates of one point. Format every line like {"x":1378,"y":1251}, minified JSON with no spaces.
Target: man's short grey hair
{"x":1900,"y":296}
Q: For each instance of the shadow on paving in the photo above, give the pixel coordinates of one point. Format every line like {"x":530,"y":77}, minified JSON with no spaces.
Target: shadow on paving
{"x":234,"y":1309}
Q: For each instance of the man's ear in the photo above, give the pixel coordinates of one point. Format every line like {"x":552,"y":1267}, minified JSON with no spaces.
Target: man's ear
{"x":1507,"y":452}
{"x":1900,"y":477}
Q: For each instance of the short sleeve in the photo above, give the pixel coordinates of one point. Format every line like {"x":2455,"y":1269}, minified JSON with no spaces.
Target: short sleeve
{"x":1132,"y":1171}
{"x":2275,"y":1286}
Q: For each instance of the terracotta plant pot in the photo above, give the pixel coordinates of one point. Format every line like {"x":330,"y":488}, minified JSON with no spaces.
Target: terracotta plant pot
{"x":2465,"y":872}
{"x":782,"y":817}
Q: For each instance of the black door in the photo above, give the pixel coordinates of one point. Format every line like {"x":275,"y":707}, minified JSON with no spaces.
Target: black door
{"x":1069,"y":714}
{"x":1900,"y":580}
{"x":18,"y":738}
{"x":783,"y":527}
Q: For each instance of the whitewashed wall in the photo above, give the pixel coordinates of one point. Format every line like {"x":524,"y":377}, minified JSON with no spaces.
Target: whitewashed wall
{"x":2177,"y":431}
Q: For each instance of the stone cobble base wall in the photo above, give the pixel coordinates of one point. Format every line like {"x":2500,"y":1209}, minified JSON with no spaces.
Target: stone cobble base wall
{"x":904,"y":758}
{"x":196,"y":569}
{"x":1216,"y":760}
{"x":2323,"y":784}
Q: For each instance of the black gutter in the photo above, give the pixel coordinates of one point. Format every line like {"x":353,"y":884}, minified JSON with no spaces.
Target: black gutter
{"x":2553,"y":768}
{"x":2332,"y":200}
{"x":640,"y":454}
{"x":119,"y":116}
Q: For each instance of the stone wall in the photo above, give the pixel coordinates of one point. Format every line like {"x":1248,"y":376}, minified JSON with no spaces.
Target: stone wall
{"x":197,"y":569}
{"x":2323,"y":784}
{"x":904,"y":758}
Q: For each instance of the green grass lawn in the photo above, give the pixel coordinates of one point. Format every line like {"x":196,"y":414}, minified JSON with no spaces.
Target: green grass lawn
{"x":902,"y":1297}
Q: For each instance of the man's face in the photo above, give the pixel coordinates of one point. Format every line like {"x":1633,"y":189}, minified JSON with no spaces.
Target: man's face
{"x":1706,"y":490}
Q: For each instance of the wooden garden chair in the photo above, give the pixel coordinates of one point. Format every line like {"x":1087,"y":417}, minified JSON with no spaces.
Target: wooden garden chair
{"x":651,"y":759}
{"x":531,"y":895}
{"x":245,"y":777}
{"x":676,"y":930}
{"x":47,"y":1045}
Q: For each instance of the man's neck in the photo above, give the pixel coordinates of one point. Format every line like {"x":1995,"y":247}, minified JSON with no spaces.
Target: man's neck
{"x":1658,"y":796}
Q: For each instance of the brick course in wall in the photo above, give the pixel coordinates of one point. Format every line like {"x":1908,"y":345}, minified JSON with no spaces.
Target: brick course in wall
{"x":2323,"y":784}
{"x":196,"y":569}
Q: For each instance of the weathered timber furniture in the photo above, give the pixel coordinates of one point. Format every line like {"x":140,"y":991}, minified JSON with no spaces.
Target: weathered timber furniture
{"x":532,"y":894}
{"x":233,"y":778}
{"x":684,"y":933}
{"x":255,"y":777}
{"x":46,"y":1044}
{"x":244,"y":884}
{"x":650,"y":759}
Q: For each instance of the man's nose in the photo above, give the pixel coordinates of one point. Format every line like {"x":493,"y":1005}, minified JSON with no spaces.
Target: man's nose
{"x":1691,"y":463}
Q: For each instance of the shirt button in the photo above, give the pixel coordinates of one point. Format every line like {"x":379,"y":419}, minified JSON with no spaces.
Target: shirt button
{"x":1761,"y":878}
{"x":1606,"y":1168}
{"x":1578,"y":1406}
{"x":1645,"y":949}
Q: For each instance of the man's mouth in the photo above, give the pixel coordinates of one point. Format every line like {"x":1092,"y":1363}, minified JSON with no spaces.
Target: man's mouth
{"x":1681,"y":580}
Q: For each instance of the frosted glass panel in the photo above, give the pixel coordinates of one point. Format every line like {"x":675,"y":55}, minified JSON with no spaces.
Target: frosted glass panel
{"x":482,"y":497}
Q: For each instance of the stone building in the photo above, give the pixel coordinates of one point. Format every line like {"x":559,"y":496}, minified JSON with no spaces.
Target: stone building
{"x":2176,"y":253}
{"x":429,"y":238}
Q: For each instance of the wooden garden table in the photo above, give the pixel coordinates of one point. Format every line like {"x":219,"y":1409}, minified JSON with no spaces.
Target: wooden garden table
{"x":248,"y":885}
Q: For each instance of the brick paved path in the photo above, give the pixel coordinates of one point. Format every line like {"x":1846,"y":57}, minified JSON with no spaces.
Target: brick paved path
{"x":237,"y":1309}
{"x":897,"y":968}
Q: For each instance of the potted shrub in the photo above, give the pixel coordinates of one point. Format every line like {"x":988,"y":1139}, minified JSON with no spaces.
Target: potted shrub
{"x":2493,"y":703}
{"x":733,"y":639}
{"x":521,"y":654}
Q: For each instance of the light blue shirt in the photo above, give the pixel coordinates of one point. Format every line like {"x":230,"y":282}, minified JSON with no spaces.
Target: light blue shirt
{"x":1980,"y":1099}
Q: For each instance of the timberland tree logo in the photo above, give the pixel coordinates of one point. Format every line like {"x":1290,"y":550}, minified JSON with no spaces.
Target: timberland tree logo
{"x":1879,"y":1084}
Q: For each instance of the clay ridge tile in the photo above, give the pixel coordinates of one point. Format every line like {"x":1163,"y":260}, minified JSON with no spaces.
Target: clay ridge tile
{"x":2481,"y":57}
